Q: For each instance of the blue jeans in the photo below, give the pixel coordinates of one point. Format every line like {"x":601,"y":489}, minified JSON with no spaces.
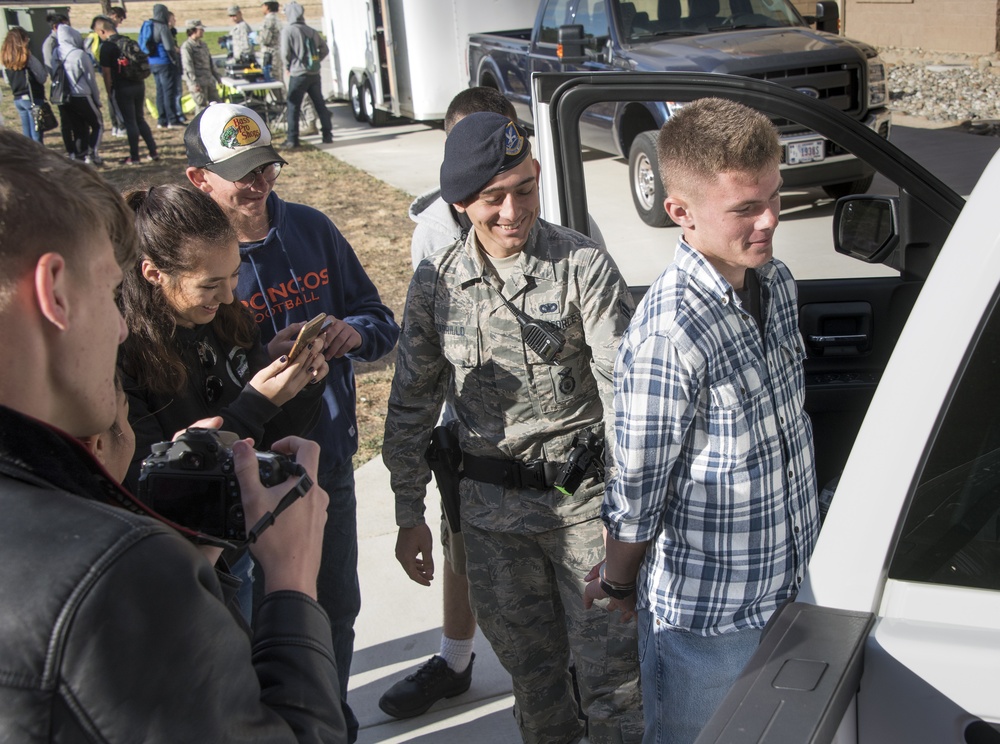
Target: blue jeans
{"x":686,"y":676}
{"x":167,"y":94}
{"x":339,"y":592}
{"x":23,"y":106}
{"x":298,"y":87}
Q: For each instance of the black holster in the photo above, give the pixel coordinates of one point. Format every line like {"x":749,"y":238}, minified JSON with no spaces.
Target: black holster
{"x":444,"y":455}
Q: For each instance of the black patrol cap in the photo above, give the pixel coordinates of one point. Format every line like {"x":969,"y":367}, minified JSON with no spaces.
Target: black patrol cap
{"x":479,"y":147}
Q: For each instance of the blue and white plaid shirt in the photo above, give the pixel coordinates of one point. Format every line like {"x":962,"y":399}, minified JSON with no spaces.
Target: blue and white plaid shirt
{"x":714,"y":450}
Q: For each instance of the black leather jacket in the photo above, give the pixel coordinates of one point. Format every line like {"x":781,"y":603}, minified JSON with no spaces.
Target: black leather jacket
{"x":113,"y":626}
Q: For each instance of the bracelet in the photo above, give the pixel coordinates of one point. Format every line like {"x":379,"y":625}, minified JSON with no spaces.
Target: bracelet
{"x":615,"y":591}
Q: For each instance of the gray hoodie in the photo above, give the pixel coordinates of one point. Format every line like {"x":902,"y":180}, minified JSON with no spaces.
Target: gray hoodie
{"x":437,"y":227}
{"x":293,"y":41}
{"x":78,"y":64}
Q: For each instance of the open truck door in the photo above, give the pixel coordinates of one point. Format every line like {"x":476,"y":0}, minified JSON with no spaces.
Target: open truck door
{"x":896,"y":634}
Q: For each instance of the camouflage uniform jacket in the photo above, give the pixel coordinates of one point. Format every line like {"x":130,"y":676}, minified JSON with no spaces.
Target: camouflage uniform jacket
{"x":240,"y":39}
{"x":269,"y":34}
{"x":508,"y":403}
{"x":196,"y":64}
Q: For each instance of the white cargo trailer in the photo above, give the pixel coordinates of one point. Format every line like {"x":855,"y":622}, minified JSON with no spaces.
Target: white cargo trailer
{"x":408,"y":57}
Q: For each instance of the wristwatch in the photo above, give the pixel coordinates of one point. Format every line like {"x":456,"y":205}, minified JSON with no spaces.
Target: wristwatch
{"x":615,"y":591}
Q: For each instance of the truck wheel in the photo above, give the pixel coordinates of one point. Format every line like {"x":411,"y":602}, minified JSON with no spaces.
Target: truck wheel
{"x":375,"y":116}
{"x":837,"y":190}
{"x":355,"y":93}
{"x":644,"y":176}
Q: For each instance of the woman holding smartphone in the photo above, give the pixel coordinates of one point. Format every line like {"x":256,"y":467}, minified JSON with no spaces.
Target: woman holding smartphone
{"x":193,"y":350}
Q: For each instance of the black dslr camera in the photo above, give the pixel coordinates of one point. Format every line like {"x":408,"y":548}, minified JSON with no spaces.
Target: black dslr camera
{"x":192,"y":482}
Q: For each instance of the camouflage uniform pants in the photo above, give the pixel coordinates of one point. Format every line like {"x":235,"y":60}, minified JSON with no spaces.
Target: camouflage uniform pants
{"x":527,"y":594}
{"x":209,"y":93}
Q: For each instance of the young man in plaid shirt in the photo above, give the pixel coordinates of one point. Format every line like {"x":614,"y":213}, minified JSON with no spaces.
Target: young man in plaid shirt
{"x":712,"y":513}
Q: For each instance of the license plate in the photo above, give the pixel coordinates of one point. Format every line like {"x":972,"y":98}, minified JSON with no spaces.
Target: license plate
{"x":805,"y":152}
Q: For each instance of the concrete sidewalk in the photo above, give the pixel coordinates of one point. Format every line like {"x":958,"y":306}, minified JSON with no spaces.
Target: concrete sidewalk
{"x":400,"y":627}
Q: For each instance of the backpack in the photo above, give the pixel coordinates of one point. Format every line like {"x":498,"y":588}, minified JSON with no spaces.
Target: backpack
{"x":133,"y":63}
{"x":59,"y":93}
{"x":312,"y":57}
{"x":146,"y":41}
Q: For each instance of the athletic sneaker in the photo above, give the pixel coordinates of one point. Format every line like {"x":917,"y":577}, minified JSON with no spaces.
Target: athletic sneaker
{"x":153,"y":157}
{"x":432,"y":681}
{"x":128,"y":161}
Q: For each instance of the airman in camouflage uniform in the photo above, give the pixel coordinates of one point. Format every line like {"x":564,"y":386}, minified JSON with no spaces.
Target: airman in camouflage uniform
{"x":528,"y":547}
{"x":200,"y":74}
{"x":269,"y":38}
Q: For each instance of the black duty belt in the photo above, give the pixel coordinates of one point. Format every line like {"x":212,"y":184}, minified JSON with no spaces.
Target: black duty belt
{"x":537,"y":474}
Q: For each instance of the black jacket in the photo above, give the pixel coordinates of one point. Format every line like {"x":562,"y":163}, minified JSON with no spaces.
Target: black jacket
{"x":113,"y":627}
{"x":156,"y":418}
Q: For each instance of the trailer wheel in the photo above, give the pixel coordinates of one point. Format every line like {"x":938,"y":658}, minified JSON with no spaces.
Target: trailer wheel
{"x":837,"y":190}
{"x":355,"y":92}
{"x":644,"y":177}
{"x":375,"y":116}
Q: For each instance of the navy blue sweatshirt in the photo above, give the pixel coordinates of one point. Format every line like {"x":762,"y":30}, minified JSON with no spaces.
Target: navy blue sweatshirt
{"x":302,"y":268}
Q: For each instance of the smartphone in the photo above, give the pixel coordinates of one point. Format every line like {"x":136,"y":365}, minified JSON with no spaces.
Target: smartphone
{"x":306,"y":334}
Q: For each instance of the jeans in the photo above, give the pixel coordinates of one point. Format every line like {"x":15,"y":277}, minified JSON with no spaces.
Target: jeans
{"x":686,"y":676}
{"x":167,"y":94}
{"x":298,"y":87}
{"x":23,"y":106}
{"x":338,"y":590}
{"x":131,"y":100}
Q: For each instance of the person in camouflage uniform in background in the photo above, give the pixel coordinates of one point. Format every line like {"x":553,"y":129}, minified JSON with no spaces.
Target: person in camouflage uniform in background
{"x":528,"y":546}
{"x":200,"y":75}
{"x":269,"y":38}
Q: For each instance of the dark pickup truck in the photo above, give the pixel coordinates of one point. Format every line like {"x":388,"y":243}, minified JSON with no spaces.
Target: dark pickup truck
{"x":762,"y":39}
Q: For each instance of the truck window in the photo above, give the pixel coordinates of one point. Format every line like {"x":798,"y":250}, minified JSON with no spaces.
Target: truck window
{"x":556,"y":15}
{"x":951,"y":534}
{"x":593,"y":16}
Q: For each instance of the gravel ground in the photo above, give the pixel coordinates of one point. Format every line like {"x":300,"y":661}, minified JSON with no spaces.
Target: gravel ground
{"x":944,"y":87}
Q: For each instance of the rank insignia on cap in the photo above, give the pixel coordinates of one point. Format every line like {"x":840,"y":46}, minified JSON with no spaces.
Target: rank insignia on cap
{"x":239,"y":131}
{"x":513,"y":141}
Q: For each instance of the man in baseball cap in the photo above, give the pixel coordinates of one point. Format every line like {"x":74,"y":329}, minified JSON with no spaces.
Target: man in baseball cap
{"x":517,"y":324}
{"x":232,"y":141}
{"x":297,"y":264}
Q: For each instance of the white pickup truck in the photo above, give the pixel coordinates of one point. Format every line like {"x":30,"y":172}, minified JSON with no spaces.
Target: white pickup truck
{"x":896,"y":634}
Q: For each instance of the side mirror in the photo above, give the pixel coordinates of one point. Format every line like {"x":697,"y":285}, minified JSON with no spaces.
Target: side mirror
{"x":828,"y":17}
{"x":571,"y":44}
{"x":867,"y":228}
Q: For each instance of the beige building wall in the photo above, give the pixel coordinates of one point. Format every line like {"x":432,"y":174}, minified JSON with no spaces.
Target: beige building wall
{"x":968,"y":26}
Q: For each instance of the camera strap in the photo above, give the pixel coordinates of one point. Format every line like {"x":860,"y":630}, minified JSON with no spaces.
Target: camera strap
{"x":300,"y":489}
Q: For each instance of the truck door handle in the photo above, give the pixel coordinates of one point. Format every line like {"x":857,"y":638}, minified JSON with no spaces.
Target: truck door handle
{"x":823,"y":342}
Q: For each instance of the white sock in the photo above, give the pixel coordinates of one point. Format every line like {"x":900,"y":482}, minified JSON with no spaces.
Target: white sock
{"x":457,"y":654}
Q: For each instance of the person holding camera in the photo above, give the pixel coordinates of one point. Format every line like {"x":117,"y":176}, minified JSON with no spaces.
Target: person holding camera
{"x":517,"y":325}
{"x":193,"y":349}
{"x":240,"y":45}
{"x":121,"y":632}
